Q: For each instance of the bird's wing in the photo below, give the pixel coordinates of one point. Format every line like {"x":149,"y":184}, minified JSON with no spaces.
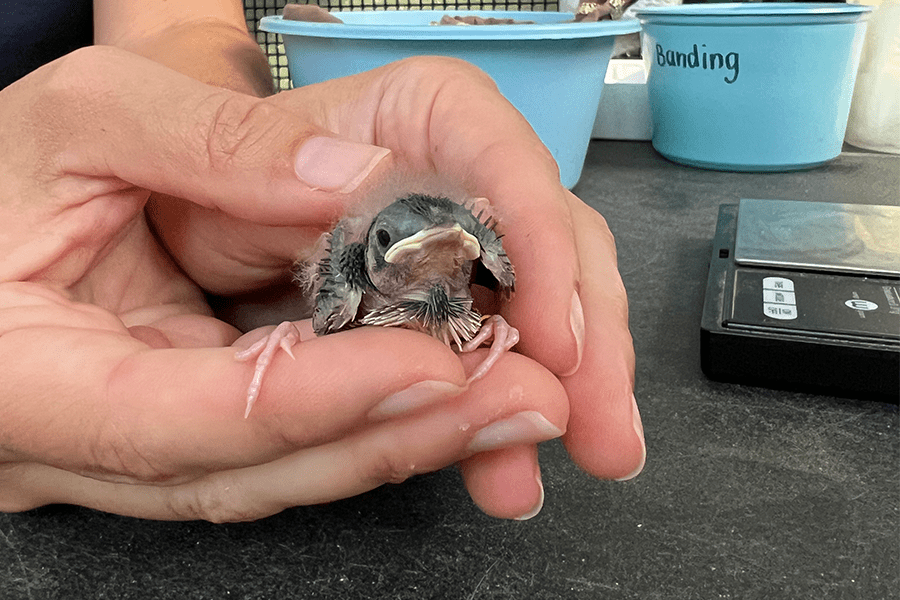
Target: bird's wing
{"x":343,"y":280}
{"x":493,"y":256}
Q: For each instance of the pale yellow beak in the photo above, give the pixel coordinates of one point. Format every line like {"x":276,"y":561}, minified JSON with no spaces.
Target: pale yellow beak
{"x":468,"y":245}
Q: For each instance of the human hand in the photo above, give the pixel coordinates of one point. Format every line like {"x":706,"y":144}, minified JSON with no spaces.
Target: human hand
{"x":445,"y":119}
{"x":570,"y":307}
{"x":121,"y":391}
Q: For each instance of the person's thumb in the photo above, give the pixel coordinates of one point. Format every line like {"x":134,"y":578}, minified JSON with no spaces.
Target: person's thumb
{"x":139,"y":122}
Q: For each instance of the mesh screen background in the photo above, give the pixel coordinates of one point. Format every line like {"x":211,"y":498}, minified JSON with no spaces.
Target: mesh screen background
{"x":271,"y":43}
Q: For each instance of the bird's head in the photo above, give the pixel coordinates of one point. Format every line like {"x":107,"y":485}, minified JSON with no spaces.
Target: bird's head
{"x":418,"y":241}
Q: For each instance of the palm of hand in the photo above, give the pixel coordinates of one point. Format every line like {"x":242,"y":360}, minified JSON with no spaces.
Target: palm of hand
{"x":91,"y":303}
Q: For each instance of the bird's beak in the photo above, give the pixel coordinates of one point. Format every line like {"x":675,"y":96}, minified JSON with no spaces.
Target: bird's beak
{"x":466,"y":243}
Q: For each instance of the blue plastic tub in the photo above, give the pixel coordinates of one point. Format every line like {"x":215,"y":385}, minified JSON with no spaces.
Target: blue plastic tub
{"x":552,"y":71}
{"x":751,"y":87}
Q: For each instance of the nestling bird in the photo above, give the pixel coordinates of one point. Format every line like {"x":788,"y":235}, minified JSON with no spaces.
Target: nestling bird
{"x":413,"y":268}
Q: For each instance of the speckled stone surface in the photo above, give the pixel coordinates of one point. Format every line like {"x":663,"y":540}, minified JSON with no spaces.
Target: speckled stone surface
{"x":747,"y":492}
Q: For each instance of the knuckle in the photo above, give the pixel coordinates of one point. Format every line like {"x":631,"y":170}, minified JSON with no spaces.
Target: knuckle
{"x":453,"y":87}
{"x":385,"y":467}
{"x":215,"y":499}
{"x":446,"y":67}
{"x":58,"y":99}
{"x":448,"y":63}
{"x":242,"y":130}
{"x":83,"y":70}
{"x":76,"y":63}
{"x":444,"y":74}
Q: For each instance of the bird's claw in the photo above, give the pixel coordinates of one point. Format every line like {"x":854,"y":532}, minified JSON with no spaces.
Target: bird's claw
{"x":284,"y":336}
{"x":505,"y":337}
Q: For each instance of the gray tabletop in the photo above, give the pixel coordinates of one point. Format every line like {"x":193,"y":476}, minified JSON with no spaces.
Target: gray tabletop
{"x":747,"y":492}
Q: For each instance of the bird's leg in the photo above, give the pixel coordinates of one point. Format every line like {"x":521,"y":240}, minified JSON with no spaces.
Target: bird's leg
{"x":505,"y":337}
{"x":284,"y":336}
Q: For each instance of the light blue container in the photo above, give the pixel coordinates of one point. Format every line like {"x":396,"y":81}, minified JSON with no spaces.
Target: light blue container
{"x":751,"y":87}
{"x":552,"y":71}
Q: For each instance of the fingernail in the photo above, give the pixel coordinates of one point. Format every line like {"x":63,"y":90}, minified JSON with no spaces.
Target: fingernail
{"x":639,"y":430}
{"x":526,"y":427}
{"x":335,"y":164}
{"x":414,"y":397}
{"x":540,"y":504}
{"x":576,"y":322}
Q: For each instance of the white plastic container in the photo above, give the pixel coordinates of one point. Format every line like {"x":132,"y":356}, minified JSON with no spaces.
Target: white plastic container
{"x":874,"y":121}
{"x":624,"y":113}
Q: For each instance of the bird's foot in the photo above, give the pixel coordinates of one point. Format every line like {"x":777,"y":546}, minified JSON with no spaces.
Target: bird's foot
{"x":284,"y":336}
{"x":504,"y":335}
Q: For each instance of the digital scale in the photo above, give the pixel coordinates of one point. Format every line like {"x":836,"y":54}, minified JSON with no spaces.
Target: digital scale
{"x":805,"y":295}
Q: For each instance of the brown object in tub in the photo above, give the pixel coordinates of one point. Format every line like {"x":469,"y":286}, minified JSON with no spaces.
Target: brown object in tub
{"x":473,"y":20}
{"x":308,"y":12}
{"x":316,"y":14}
{"x":589,"y":11}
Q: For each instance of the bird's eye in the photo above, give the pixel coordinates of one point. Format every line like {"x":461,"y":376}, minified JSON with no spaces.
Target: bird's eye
{"x":383,"y":237}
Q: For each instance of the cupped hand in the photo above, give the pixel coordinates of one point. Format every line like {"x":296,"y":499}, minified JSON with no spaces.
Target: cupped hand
{"x":445,"y":119}
{"x":120,"y":390}
{"x":570,"y":306}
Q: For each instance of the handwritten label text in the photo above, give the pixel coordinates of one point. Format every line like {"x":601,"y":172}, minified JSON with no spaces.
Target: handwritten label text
{"x":699,"y":58}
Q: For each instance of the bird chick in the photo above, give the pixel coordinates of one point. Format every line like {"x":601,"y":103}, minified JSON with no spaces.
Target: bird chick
{"x":413,"y":268}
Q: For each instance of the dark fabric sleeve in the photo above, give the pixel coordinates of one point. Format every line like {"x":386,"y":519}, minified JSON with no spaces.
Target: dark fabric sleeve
{"x":35,"y":33}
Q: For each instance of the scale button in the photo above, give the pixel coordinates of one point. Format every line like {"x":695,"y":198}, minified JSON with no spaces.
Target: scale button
{"x":778,"y":283}
{"x":778,"y":297}
{"x":784,"y":312}
{"x":860,"y":304}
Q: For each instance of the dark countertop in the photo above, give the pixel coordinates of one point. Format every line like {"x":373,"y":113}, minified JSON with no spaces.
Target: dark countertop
{"x":747,"y":492}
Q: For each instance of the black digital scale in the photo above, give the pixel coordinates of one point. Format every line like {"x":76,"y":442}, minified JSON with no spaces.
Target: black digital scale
{"x":805,"y":295}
